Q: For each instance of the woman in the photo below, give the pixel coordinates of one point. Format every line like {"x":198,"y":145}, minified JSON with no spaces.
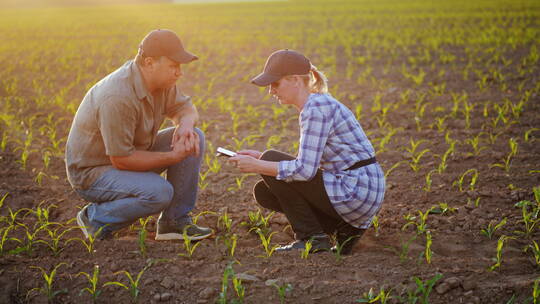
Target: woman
{"x":334,"y":184}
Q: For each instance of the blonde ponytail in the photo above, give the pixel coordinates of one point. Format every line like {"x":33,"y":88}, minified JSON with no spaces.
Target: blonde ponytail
{"x":319,"y":82}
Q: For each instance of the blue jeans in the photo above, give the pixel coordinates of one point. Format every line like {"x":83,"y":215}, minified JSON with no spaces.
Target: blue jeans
{"x":119,"y":197}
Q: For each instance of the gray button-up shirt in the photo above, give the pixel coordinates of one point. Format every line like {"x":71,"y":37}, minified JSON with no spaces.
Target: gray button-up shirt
{"x":116,"y":117}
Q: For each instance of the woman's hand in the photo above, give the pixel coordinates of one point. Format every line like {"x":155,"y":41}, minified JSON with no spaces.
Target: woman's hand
{"x":253,"y":153}
{"x":246,"y":163}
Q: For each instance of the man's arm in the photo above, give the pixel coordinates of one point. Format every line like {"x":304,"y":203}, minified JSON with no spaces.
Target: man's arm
{"x":185,"y":142}
{"x":141,"y":160}
{"x":186,"y":118}
{"x":185,"y":122}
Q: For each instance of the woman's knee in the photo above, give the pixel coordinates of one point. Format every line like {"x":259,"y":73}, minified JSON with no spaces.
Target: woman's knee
{"x":264,"y":197}
{"x":274,"y":155}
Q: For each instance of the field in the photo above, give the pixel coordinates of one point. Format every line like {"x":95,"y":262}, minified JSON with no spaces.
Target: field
{"x":447,"y":91}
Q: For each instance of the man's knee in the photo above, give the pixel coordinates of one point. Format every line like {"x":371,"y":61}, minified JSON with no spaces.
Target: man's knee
{"x":274,"y":155}
{"x":162,"y":194}
{"x":201,"y":140}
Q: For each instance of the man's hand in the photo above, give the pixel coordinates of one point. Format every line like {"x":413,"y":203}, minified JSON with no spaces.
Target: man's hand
{"x":187,"y":137}
{"x":185,"y":146}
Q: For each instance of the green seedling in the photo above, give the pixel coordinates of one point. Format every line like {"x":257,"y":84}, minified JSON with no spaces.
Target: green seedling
{"x":265,"y":240}
{"x":202,"y":213}
{"x":202,"y":177}
{"x":527,"y":135}
{"x":403,"y":251}
{"x":256,"y":220}
{"x":375,"y":223}
{"x":414,"y":145}
{"x":394,"y":167}
{"x":428,"y":247}
{"x":415,"y":160}
{"x":47,"y":288}
{"x":30,"y":240}
{"x":189,"y":245}
{"x":535,"y":248}
{"x":498,"y":256}
{"x":4,"y":231}
{"x":13,"y":216}
{"x":225,"y":223}
{"x":529,"y":217}
{"x":55,"y":236}
{"x":239,"y":288}
{"x":142,"y":235}
{"x":506,"y":162}
{"x":442,"y":209}
{"x":239,"y":181}
{"x":439,"y":124}
{"x":282,"y":290}
{"x":490,"y":230}
{"x":230,"y":241}
{"x":467,"y":109}
{"x":89,"y":243}
{"x":476,"y":202}
{"x":339,"y":248}
{"x":371,"y":297}
{"x":93,"y":281}
{"x":228,"y":273}
{"x":424,"y":289}
{"x":429,"y":181}
{"x":472,"y":184}
{"x":42,"y":214}
{"x":420,"y":222}
{"x":475,"y":144}
{"x":304,"y":254}
{"x":444,"y":158}
{"x":133,"y":285}
{"x":3,"y":199}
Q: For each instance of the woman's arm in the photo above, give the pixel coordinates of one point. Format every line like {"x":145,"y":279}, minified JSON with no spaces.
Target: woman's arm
{"x":315,"y":126}
{"x":249,"y":164}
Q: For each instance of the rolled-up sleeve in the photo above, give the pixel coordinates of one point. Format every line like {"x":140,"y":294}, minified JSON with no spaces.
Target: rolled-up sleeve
{"x":314,"y":129}
{"x":176,"y":102}
{"x":117,"y":122}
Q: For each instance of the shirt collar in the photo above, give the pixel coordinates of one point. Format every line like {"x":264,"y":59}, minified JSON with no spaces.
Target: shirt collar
{"x":138,"y":83}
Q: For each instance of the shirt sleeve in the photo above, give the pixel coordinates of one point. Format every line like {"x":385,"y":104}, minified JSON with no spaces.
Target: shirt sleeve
{"x":314,"y":130}
{"x":176,"y":101}
{"x":117,"y":119}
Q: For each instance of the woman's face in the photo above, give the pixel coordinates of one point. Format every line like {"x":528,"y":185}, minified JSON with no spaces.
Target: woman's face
{"x":284,"y":90}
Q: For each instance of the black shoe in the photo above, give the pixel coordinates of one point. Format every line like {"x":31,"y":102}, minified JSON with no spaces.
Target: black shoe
{"x":87,"y":229}
{"x":171,"y":231}
{"x":347,"y":238}
{"x":319,"y":242}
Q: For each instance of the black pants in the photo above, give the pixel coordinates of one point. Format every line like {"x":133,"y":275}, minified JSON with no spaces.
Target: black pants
{"x":305,"y":204}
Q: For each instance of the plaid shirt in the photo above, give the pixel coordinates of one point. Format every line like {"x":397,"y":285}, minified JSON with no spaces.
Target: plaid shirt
{"x":332,"y":139}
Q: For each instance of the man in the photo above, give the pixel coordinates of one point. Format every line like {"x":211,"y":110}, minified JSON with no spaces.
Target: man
{"x":115,"y":151}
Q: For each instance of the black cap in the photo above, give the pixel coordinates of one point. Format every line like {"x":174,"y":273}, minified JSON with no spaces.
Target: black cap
{"x":164,"y":42}
{"x":280,"y":64}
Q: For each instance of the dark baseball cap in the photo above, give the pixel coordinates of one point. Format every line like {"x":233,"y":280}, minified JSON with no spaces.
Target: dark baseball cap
{"x":164,"y":42}
{"x":280,"y":64}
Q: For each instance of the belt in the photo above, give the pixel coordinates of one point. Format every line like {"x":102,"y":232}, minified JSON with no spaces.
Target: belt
{"x":362,"y":163}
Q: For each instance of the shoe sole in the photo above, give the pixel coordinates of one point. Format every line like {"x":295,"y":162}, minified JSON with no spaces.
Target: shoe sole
{"x":177,"y":236}
{"x":82,"y":224}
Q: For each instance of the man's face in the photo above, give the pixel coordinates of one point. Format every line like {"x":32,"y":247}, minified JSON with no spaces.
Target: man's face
{"x":165,"y":73}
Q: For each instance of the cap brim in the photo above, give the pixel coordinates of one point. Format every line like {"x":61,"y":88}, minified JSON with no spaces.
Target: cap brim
{"x":264,"y":79}
{"x":184,"y":57}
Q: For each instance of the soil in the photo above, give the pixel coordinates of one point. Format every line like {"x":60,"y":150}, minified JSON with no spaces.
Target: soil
{"x":459,"y":251}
